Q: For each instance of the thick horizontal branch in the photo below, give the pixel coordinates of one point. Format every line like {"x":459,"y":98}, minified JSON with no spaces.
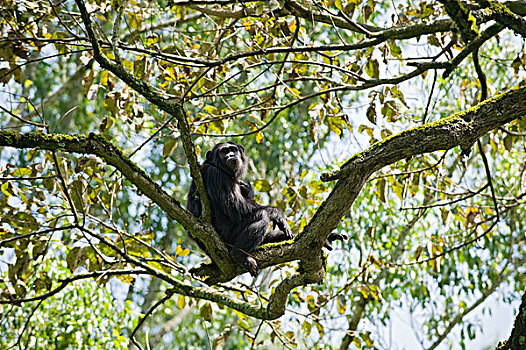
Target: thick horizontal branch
{"x":462,"y":129}
{"x":99,"y":146}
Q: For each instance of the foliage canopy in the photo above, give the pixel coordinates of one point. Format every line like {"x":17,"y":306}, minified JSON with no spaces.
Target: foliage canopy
{"x":399,"y":124}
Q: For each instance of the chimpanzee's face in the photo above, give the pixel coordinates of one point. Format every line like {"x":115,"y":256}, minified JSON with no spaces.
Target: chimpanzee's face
{"x":231,"y":156}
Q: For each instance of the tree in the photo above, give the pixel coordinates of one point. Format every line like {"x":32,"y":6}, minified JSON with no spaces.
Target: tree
{"x":107,"y":107}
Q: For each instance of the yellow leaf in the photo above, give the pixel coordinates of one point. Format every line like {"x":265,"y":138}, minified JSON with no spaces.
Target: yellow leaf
{"x":21,"y":172}
{"x":295,"y":92}
{"x":293,"y":25}
{"x":240,"y":315}
{"x":365,"y":291}
{"x":104,"y":76}
{"x":342,"y":305}
{"x":171,"y":72}
{"x":181,"y":252}
{"x":127,"y":64}
{"x":259,"y":137}
{"x":181,"y":302}
{"x":366,"y":337}
{"x":375,"y":292}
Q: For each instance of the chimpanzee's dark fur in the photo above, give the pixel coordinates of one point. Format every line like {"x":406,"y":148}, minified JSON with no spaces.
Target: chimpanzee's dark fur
{"x":240,"y":221}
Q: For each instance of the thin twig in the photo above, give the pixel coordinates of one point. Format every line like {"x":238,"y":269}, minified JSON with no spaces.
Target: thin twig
{"x":26,"y":324}
{"x":167,"y":296}
{"x":483,"y":97}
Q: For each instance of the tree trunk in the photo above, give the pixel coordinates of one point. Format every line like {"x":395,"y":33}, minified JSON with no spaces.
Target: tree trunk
{"x":517,"y":339}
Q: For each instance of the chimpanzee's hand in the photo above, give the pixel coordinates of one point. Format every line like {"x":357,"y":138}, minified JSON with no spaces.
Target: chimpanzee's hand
{"x":283,"y":226}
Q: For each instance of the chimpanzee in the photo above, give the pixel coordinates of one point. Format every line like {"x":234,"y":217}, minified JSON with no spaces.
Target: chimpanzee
{"x":240,"y":221}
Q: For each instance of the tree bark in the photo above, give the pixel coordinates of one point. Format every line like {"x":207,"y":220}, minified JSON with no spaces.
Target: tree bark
{"x":517,"y":339}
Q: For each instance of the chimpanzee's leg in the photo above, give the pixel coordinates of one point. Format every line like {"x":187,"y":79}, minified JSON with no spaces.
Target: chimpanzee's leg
{"x":250,"y":237}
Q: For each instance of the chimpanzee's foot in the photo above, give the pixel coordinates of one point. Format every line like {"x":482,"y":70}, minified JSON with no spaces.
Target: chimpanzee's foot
{"x":334,"y":237}
{"x":245,"y":260}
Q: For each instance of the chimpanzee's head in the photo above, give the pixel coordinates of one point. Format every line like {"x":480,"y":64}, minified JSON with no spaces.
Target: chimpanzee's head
{"x":230,"y":157}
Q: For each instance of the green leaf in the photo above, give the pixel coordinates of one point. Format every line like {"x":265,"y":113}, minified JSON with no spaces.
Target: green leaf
{"x":372,"y":68}
{"x":306,"y":327}
{"x":337,"y":124}
{"x":79,"y":194}
{"x":206,"y":312}
{"x":395,"y":50}
{"x":21,"y":172}
{"x":396,"y":93}
{"x":139,"y":68}
{"x":371,"y":113}
{"x":73,"y":258}
{"x":8,"y":189}
{"x":508,"y":142}
{"x":262,"y":185}
{"x":168,"y":147}
{"x":381,"y":189}
{"x":61,"y":48}
{"x":106,"y":123}
{"x":317,"y":187}
{"x":110,"y":103}
{"x":320,"y":328}
{"x":390,"y":110}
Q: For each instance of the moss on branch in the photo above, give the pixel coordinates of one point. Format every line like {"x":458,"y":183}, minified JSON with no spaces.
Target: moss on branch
{"x":462,"y":129}
{"x":99,"y":146}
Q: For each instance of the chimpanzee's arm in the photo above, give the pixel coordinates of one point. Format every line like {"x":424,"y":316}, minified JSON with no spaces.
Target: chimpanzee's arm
{"x":193,"y":203}
{"x":276,"y":216}
{"x":246,"y":189}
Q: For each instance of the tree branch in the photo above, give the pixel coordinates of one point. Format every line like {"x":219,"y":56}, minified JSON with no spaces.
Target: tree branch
{"x":461,"y":129}
{"x":208,"y":236}
{"x":64,"y":283}
{"x":464,"y":20}
{"x":502,"y":14}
